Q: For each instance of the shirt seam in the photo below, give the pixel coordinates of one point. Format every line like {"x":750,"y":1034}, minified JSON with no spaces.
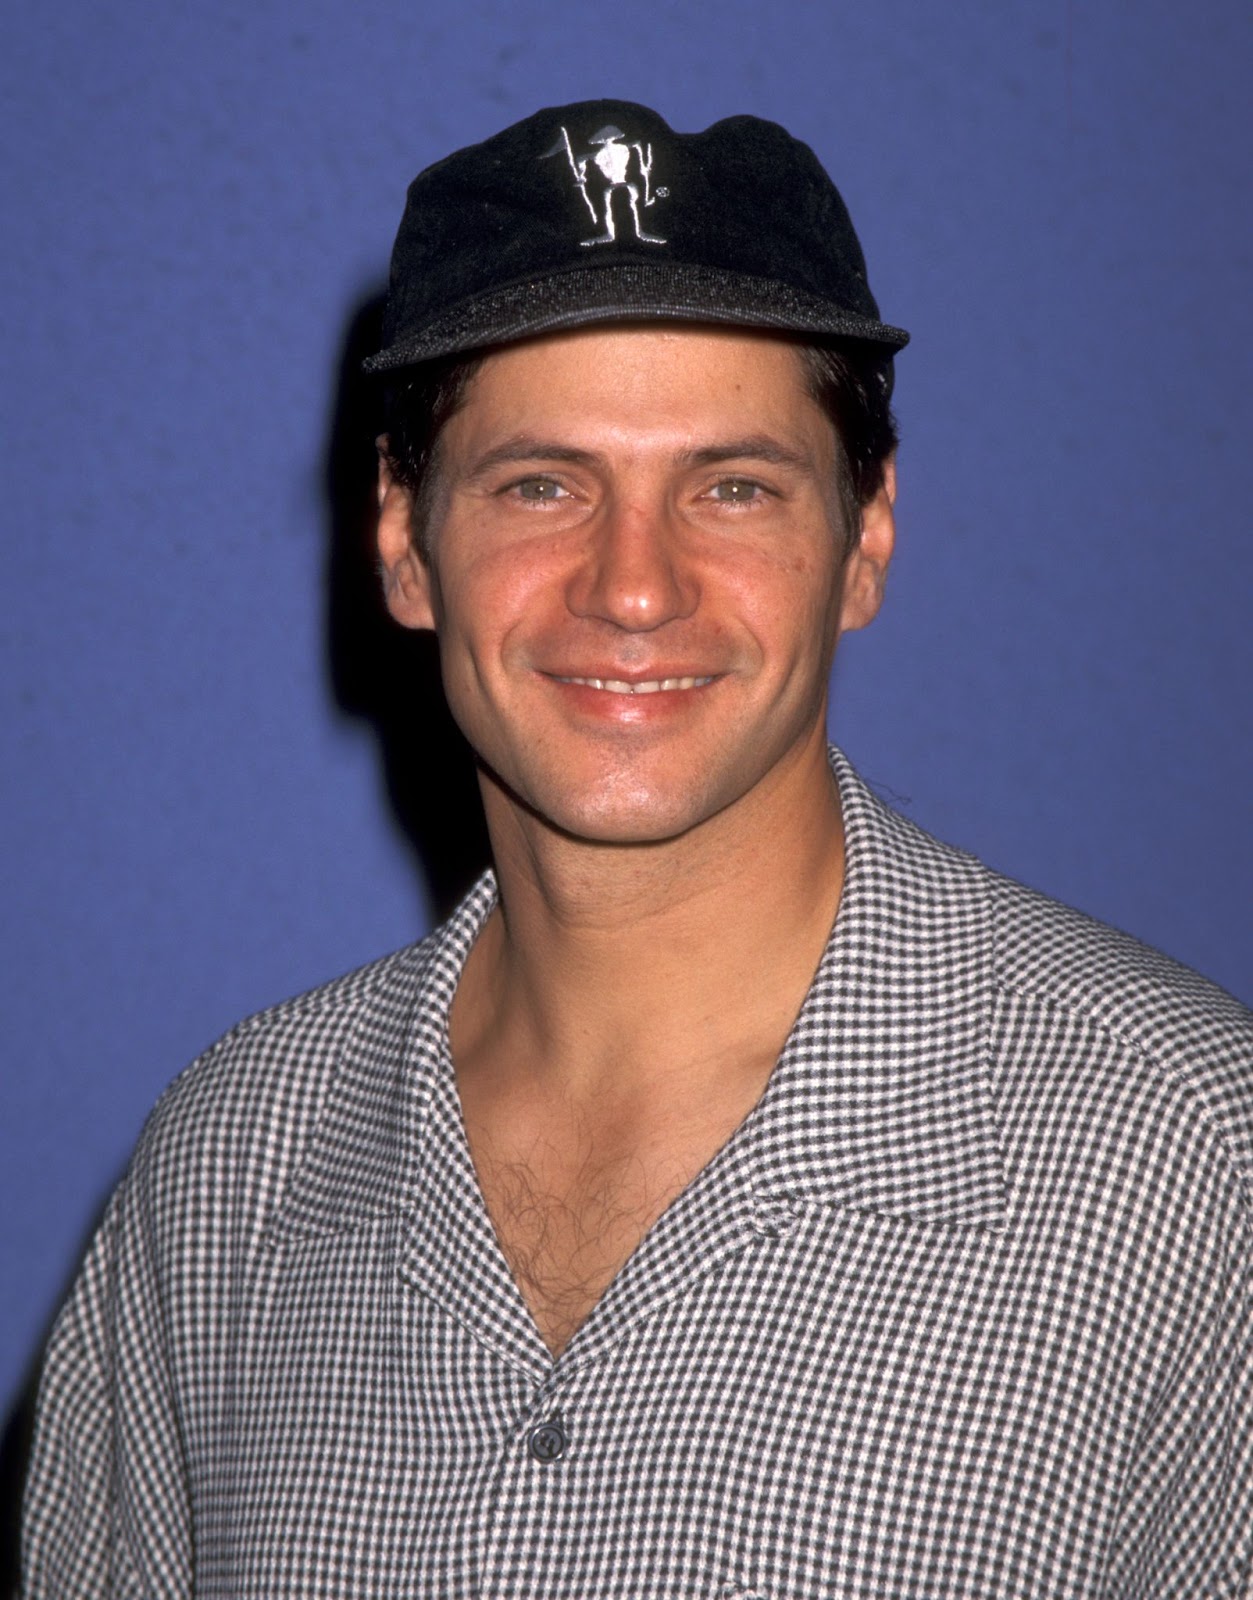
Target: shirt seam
{"x":1150,"y":1058}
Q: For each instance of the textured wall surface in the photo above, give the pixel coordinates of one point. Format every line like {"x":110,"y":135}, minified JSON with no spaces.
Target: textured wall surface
{"x":206,"y":792}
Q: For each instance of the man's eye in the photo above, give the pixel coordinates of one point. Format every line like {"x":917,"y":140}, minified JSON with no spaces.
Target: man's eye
{"x":539,"y":489}
{"x":736,"y":491}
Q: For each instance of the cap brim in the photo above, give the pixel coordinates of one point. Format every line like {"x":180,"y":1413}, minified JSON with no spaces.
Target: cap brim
{"x":630,"y":292}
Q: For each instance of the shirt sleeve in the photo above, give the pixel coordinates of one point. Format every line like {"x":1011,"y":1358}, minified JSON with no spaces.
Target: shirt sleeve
{"x":105,"y":1511}
{"x":69,"y":1492}
{"x":1186,"y":1523}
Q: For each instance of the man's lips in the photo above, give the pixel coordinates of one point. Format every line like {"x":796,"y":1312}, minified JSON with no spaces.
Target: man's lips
{"x":635,"y":685}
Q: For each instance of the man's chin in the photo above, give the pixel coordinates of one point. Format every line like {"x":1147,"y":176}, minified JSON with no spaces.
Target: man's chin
{"x":622,"y":827}
{"x":607,"y":815}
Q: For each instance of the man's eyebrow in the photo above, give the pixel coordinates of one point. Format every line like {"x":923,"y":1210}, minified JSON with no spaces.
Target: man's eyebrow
{"x":526,"y":447}
{"x":753,"y":447}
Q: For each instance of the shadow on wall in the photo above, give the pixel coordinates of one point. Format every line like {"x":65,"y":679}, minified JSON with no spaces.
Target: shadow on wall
{"x":14,"y":1454}
{"x":385,"y":674}
{"x":378,"y":673}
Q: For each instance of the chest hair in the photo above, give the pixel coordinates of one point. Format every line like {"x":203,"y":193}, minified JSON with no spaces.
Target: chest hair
{"x":567,"y":1228}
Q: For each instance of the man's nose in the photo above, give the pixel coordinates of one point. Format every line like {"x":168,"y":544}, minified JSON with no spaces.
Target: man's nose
{"x":636,"y":572}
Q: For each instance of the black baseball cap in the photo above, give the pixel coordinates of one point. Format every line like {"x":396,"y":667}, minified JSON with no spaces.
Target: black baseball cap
{"x":599,"y":212}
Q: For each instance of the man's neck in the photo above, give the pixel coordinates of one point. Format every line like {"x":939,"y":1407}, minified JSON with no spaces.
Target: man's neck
{"x":614,"y":975}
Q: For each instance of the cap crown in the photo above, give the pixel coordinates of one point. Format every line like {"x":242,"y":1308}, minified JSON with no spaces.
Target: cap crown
{"x":599,"y":211}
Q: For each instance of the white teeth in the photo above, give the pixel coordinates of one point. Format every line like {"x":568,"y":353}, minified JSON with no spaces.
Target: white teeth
{"x":650,"y":686}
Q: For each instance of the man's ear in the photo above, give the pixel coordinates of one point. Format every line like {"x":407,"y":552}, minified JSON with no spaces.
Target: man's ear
{"x":866,"y":570}
{"x":407,"y":585}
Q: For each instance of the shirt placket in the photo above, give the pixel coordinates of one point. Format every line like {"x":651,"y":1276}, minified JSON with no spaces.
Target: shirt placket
{"x":552,"y":1474}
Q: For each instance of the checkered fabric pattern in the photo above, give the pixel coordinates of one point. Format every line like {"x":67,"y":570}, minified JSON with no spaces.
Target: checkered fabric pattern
{"x":962,"y":1309}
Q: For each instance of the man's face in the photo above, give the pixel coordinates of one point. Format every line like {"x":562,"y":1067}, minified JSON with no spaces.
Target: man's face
{"x":636,"y":576}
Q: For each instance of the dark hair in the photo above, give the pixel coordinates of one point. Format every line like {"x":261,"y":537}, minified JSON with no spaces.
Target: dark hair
{"x":849,"y":379}
{"x":852,"y":384}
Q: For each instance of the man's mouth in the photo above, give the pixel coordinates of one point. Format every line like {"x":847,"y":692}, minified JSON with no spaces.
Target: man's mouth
{"x":644,"y":686}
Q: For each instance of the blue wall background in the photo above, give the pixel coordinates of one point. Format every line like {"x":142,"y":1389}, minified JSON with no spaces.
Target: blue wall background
{"x":199,"y":197}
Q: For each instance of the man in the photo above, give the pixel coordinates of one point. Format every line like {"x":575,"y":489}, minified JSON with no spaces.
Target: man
{"x":743,"y":1194}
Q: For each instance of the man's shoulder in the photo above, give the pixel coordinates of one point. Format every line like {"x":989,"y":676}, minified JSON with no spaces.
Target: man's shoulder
{"x":1048,"y":951}
{"x":1067,"y":957}
{"x":1070,"y":999}
{"x":235,"y":1125}
{"x":1130,"y":1011}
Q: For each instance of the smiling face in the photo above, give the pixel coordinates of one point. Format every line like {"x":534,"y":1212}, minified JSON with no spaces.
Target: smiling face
{"x":636,"y":576}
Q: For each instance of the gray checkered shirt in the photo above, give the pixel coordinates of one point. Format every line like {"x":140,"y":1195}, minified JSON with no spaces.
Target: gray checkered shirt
{"x":962,"y":1309}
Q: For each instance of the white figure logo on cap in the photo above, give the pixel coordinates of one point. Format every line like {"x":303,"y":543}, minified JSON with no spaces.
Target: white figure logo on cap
{"x":613,"y":166}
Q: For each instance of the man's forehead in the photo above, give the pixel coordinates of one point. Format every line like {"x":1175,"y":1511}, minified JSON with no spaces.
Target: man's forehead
{"x":631,"y":399}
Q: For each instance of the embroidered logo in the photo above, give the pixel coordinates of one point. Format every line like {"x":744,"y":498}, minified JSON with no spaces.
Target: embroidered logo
{"x":612,"y":170}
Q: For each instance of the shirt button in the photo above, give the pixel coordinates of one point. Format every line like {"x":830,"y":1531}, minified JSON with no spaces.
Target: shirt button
{"x":774,"y":1222}
{"x":547,"y":1441}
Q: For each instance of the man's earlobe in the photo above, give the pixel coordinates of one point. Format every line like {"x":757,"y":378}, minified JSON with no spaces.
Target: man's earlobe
{"x":866,"y":571}
{"x":406,"y":576}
